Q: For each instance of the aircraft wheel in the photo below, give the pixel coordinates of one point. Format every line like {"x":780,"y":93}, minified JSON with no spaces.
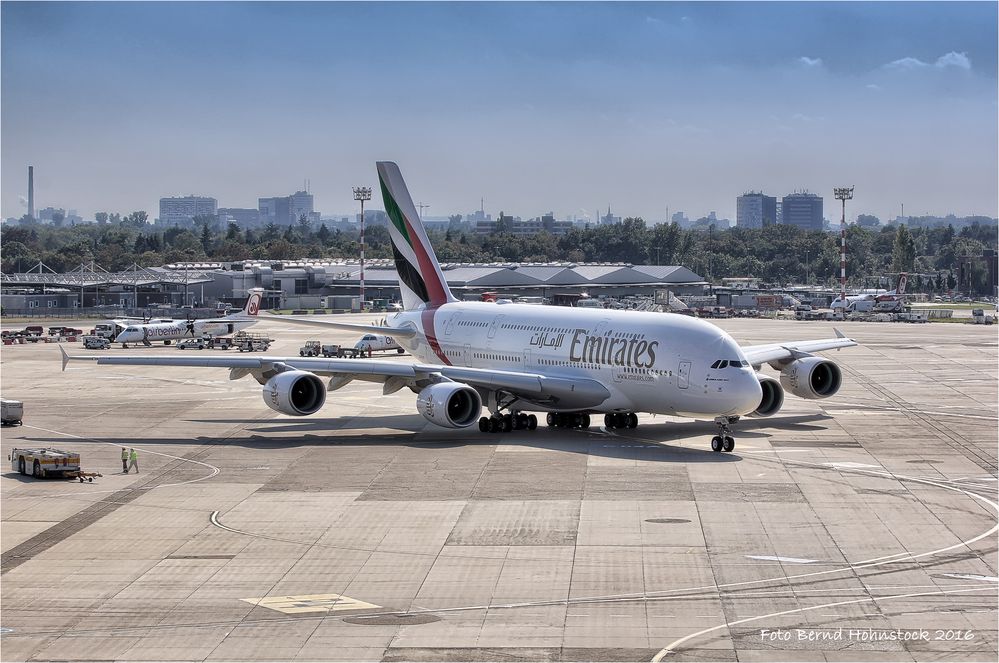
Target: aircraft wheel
{"x":532,"y":422}
{"x":483,"y":424}
{"x":609,"y":420}
{"x":728,"y":443}
{"x":507,"y":423}
{"x":716,"y":443}
{"x":400,"y":350}
{"x":124,"y":346}
{"x":585,"y":423}
{"x":166,"y":342}
{"x":551,"y":419}
{"x":493,"y":425}
{"x":632,"y":420}
{"x":577,"y":421}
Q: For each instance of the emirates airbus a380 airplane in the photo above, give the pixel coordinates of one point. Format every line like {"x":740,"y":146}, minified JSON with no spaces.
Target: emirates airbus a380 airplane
{"x":512,"y":359}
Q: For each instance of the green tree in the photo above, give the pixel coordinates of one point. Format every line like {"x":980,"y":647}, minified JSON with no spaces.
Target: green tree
{"x":101,"y":218}
{"x":904,"y":252}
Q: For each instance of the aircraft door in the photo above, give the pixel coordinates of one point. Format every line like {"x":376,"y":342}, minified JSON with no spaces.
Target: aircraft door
{"x":495,"y":325}
{"x":683,"y":375}
{"x":466,"y":355}
{"x":527,"y":359}
{"x":451,"y":322}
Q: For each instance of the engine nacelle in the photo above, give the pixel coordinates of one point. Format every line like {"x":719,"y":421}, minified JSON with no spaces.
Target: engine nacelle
{"x":773,"y":396}
{"x":297,"y":393}
{"x":811,"y":377}
{"x":449,"y":404}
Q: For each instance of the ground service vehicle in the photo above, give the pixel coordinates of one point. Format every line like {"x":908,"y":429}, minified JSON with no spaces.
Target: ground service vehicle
{"x":310,"y":349}
{"x":45,"y":462}
{"x":12,"y":411}
{"x":979,"y":318}
{"x":96,"y":343}
{"x":219,"y":343}
{"x":336,"y":350}
{"x":250,"y":342}
{"x":192,"y":344}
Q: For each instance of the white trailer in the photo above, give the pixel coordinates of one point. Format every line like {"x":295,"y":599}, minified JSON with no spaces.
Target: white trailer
{"x":12,"y":412}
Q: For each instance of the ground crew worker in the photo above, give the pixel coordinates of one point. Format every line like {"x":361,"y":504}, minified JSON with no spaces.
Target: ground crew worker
{"x":124,"y":460}
{"x":133,"y":461}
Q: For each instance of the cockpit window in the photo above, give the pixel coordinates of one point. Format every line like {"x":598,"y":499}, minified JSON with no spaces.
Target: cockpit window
{"x":132,"y":329}
{"x":725,"y":363}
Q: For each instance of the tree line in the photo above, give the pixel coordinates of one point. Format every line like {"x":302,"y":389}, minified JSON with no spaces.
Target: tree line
{"x":776,"y":254}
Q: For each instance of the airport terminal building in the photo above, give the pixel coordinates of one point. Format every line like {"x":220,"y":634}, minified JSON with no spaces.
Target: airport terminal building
{"x":310,"y":284}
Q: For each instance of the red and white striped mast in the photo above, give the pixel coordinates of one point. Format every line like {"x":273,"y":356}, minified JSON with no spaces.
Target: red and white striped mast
{"x":844,"y":194}
{"x":362,"y":193}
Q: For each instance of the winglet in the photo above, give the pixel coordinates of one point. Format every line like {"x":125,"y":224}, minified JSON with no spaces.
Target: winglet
{"x":65,"y":357}
{"x":839,"y":334}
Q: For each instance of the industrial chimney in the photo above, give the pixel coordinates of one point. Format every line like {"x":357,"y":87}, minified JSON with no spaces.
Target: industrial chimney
{"x":31,"y":191}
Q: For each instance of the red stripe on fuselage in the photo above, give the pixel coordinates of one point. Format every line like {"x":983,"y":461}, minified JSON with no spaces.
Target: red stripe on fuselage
{"x":427,"y":318}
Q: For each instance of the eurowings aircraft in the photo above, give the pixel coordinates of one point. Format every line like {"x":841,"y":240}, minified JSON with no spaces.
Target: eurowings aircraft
{"x":873,"y":295}
{"x":513,"y":360}
{"x":174,"y":330}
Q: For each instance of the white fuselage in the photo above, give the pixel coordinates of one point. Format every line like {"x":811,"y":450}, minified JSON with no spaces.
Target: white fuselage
{"x":178,"y":329}
{"x":650,"y":362}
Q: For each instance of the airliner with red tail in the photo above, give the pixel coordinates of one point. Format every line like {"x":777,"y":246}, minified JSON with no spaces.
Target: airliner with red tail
{"x":495,"y":365}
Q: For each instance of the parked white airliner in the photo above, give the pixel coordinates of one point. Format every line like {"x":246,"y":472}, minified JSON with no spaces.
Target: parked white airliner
{"x":513,"y":359}
{"x":175,"y":330}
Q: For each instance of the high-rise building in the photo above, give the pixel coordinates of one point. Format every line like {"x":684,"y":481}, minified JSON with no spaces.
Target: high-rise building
{"x":183,"y":210}
{"x":802,"y":209}
{"x":244,"y":217}
{"x":285,"y":210}
{"x":755,"y":210}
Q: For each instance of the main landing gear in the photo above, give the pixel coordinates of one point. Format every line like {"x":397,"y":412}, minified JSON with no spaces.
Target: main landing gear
{"x":568,"y":420}
{"x":504,"y":423}
{"x":724,"y":440}
{"x":621,"y":420}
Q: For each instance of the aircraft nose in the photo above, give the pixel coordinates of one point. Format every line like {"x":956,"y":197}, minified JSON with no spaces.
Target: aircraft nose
{"x":746,"y":395}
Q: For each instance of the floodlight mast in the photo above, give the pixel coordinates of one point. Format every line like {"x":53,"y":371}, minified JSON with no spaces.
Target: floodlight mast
{"x":844,"y":194}
{"x":362,"y":193}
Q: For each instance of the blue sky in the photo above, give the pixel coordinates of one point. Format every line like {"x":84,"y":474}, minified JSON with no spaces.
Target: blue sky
{"x":533,"y":106}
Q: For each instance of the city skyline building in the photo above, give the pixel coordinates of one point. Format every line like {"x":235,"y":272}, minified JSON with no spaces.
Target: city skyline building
{"x":184,"y":209}
{"x":755,"y":209}
{"x":802,"y":209}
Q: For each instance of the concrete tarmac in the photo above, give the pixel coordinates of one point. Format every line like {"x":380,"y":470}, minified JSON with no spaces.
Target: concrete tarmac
{"x":858,"y":528}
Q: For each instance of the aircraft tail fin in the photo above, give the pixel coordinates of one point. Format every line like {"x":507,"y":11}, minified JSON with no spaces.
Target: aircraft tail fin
{"x":252,"y":307}
{"x":420,"y":276}
{"x":903,"y":279}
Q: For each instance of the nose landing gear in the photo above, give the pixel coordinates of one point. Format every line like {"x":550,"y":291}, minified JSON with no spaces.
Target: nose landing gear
{"x":724,"y":440}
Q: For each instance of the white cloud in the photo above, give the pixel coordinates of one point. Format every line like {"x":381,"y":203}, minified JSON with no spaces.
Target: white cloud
{"x":810,"y":62}
{"x":906,"y":63}
{"x":653,"y":20}
{"x":952,"y":59}
{"x":873,"y":86}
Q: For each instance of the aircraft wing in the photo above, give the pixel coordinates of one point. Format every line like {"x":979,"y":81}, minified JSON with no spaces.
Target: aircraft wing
{"x":400,"y":332}
{"x":568,"y":393}
{"x":777,"y":352}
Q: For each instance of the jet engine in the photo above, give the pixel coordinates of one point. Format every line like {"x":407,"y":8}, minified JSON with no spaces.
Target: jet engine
{"x":297,"y":393}
{"x":449,"y":404}
{"x":773,"y":396}
{"x":811,"y":377}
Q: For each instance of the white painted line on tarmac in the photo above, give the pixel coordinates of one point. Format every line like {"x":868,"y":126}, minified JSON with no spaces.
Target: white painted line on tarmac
{"x":971,"y":576}
{"x":789,"y":560}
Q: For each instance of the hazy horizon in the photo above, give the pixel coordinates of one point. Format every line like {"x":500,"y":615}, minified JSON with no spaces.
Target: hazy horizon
{"x":536,"y":107}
